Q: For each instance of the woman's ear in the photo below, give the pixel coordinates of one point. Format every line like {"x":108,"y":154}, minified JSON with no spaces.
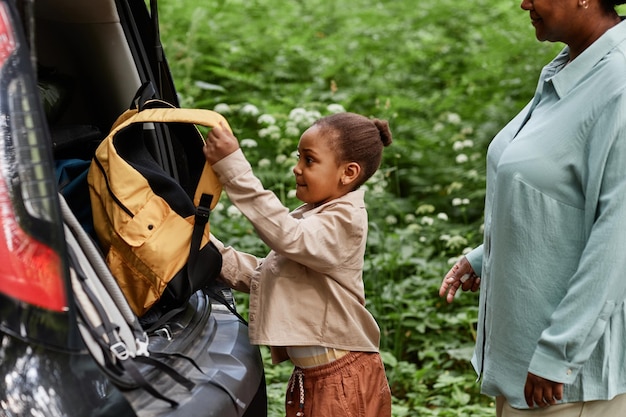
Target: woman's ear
{"x":351,"y":172}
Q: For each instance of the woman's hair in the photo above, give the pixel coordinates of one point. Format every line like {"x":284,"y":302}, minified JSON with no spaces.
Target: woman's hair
{"x":356,"y":138}
{"x":609,"y":5}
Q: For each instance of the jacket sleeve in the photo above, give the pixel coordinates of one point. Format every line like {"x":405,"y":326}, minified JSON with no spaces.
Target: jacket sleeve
{"x":238,"y":268}
{"x":311,"y":241}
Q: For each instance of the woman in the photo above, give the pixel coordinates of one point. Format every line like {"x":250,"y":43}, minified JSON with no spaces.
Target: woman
{"x":552,"y":320}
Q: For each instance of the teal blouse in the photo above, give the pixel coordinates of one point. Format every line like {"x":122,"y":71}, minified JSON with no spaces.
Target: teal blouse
{"x":553,"y":259}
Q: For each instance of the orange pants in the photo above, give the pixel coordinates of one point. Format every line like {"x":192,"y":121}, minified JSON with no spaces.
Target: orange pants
{"x":352,"y":386}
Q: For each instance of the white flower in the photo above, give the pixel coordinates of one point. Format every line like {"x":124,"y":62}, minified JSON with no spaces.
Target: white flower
{"x":425,"y":208}
{"x":454,"y":186}
{"x":248,"y":143}
{"x":335,"y":108}
{"x":264,"y":163}
{"x":250,"y":110}
{"x":468,"y":143}
{"x":291,"y":194}
{"x":472,"y":174}
{"x":409,"y":218}
{"x":272,"y":131}
{"x":457,"y":145}
{"x":467,"y":130}
{"x":391,"y":219}
{"x":298,"y":114}
{"x":291,"y":130}
{"x":456,"y":241}
{"x":460,"y":201}
{"x":428,"y":221}
{"x":423,"y":239}
{"x":314,"y":115}
{"x":266,"y":119}
{"x":233,"y":212}
{"x":453,"y":118}
{"x":442,"y":216}
{"x":461,"y":158}
{"x":222,"y":108}
{"x":280,"y":159}
{"x":414,"y":228}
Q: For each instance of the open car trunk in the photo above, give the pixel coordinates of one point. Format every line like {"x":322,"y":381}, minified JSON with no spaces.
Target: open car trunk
{"x":91,"y":57}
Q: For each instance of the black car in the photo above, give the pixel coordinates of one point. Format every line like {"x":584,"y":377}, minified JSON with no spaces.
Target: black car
{"x":68,"y":68}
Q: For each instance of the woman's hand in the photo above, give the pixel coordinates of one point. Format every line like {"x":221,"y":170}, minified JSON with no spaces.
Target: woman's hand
{"x":220,"y":142}
{"x":541,"y":391}
{"x":462,"y":276}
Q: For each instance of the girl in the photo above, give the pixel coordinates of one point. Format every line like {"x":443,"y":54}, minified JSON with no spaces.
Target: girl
{"x":307,"y":299}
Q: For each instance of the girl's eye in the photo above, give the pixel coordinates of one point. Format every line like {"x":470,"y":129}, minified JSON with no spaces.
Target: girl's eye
{"x":307,"y":159}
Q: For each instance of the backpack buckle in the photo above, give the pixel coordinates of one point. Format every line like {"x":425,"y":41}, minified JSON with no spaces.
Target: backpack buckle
{"x":120,"y":351}
{"x":142,"y":346}
{"x":202,"y":214}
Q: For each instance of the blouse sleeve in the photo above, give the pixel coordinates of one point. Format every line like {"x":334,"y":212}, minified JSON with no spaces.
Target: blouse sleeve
{"x":597,"y":288}
{"x":475,"y":258}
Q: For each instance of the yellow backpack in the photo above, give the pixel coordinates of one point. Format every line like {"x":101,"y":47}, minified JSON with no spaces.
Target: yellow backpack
{"x":154,"y":229}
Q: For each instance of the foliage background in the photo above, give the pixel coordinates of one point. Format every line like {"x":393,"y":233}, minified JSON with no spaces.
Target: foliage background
{"x":446,"y":74}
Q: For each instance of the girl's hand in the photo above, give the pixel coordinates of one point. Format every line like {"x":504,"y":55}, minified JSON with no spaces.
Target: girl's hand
{"x":462,"y":276}
{"x":220,"y":142}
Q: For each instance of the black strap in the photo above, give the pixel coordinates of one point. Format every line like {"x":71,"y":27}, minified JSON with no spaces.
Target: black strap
{"x":144,"y":94}
{"x":197,"y":264}
{"x":164,"y":355}
{"x":215,"y":295}
{"x":164,"y":367}
{"x":158,"y":47}
{"x":152,"y":327}
{"x":136,"y":374}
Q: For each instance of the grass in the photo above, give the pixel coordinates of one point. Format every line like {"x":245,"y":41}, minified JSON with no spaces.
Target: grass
{"x":446,"y":74}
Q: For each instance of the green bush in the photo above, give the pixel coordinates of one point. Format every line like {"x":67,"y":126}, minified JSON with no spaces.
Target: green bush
{"x":446,"y":74}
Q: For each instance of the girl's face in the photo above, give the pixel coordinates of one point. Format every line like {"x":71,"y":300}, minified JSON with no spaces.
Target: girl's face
{"x":318,"y":174}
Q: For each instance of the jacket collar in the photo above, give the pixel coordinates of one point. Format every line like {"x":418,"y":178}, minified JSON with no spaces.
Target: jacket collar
{"x":355,"y":198}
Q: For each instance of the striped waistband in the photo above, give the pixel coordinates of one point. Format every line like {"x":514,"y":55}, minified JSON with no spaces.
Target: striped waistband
{"x":312,"y":356}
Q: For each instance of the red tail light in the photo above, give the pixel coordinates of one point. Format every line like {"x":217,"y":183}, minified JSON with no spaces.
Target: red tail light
{"x":30,"y":271}
{"x":7,"y":41}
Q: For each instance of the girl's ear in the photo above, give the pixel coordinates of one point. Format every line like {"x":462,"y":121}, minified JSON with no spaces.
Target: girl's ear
{"x":351,"y":172}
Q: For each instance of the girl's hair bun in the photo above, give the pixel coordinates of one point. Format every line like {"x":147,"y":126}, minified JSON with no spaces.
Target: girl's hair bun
{"x":385,"y":132}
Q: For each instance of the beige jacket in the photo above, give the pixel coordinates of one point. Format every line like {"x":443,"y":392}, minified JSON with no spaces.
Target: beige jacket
{"x":309,"y":288}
